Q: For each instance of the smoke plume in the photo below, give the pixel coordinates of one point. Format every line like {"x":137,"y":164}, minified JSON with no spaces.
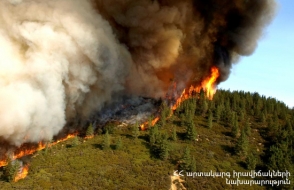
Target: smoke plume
{"x":63,"y":59}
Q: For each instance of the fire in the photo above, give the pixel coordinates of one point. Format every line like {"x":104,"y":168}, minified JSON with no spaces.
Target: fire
{"x":3,"y":163}
{"x":89,"y":137}
{"x":153,"y":122}
{"x":22,"y":173}
{"x":25,"y":150}
{"x":208,"y":85}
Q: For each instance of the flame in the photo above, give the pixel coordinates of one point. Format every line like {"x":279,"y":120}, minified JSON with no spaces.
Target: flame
{"x":3,"y":163}
{"x":22,"y":173}
{"x":89,"y":137}
{"x":25,"y":149}
{"x":208,"y":85}
{"x":153,"y":122}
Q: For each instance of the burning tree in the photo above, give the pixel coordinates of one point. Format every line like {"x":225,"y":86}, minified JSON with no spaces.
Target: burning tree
{"x":11,"y":169}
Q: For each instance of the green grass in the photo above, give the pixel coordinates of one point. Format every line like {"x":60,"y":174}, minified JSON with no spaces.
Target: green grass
{"x":88,"y":166}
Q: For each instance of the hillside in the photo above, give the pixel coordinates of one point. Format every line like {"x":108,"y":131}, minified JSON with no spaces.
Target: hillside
{"x":234,"y":132}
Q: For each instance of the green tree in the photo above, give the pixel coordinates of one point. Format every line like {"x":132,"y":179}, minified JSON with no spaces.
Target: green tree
{"x":162,"y":121}
{"x":75,"y":141}
{"x":110,"y":127}
{"x":11,"y":169}
{"x":241,"y":147}
{"x":191,"y":131}
{"x":242,"y":115}
{"x":150,"y":122}
{"x":153,"y":134}
{"x":232,"y":118}
{"x":119,"y":144}
{"x":204,"y":107}
{"x":106,"y":141}
{"x":235,"y":128}
{"x":163,"y":147}
{"x":90,"y":131}
{"x":247,"y":128}
{"x":251,"y":161}
{"x":210,"y":120}
{"x":288,"y":127}
{"x":218,"y":113}
{"x":193,"y":165}
{"x":186,"y":160}
{"x":165,"y":112}
{"x":174,"y":135}
{"x":263,"y":118}
{"x":183,"y":120}
{"x":136,"y":130}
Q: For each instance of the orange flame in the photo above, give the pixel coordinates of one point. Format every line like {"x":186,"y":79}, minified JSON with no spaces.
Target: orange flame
{"x":24,"y":150}
{"x":3,"y":163}
{"x":153,"y":122}
{"x":208,"y":85}
{"x":89,"y":137}
{"x":22,"y":173}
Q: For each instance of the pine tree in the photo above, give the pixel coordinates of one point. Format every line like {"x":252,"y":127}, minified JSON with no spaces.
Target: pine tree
{"x":153,"y":134}
{"x":163,"y":147}
{"x":174,"y":136}
{"x":218,"y":113}
{"x":242,"y":115}
{"x":118,"y":144}
{"x":90,"y":131}
{"x":247,"y":128}
{"x":288,"y":127}
{"x":162,"y":121}
{"x":75,"y":141}
{"x":263,"y":118}
{"x":193,"y":165}
{"x":166,"y":111}
{"x":204,"y":108}
{"x":210,"y":120}
{"x":235,"y":128}
{"x":150,"y":122}
{"x":251,"y":162}
{"x":106,"y":141}
{"x":11,"y":169}
{"x":191,"y":131}
{"x":186,"y":160}
{"x":232,"y":118}
{"x":135,"y":130}
{"x":183,"y":120}
{"x":242,"y":144}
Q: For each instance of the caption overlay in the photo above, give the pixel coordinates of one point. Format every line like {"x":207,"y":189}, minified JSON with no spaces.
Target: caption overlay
{"x":276,"y":178}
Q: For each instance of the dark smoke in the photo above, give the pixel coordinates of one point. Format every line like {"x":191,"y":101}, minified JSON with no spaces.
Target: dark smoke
{"x":63,"y":59}
{"x":169,"y":39}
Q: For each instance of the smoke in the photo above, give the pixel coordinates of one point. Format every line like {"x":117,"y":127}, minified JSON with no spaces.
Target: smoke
{"x":63,"y":59}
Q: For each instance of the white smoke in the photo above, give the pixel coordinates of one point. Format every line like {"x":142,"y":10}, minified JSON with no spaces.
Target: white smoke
{"x":61,"y":60}
{"x":57,"y":59}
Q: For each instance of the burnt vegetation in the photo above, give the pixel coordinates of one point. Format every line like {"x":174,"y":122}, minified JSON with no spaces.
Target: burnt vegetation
{"x":238,"y":131}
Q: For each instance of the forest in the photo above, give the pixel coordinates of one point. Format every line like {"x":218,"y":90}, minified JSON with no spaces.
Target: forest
{"x":235,"y":132}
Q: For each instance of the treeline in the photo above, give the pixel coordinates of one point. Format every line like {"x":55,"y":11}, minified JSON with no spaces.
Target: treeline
{"x":237,"y":130}
{"x":239,"y":111}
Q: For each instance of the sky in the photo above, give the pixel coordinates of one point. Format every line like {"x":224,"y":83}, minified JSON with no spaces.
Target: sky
{"x":270,"y":69}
